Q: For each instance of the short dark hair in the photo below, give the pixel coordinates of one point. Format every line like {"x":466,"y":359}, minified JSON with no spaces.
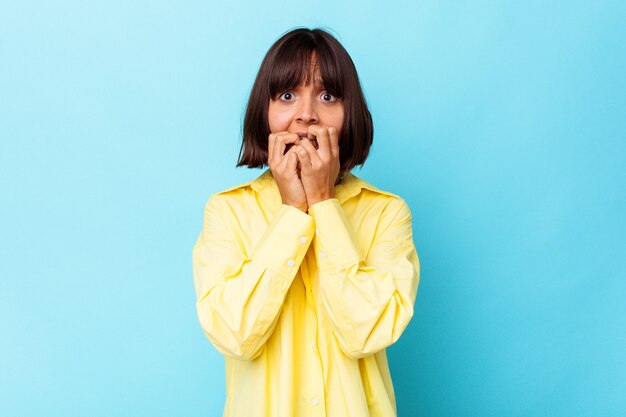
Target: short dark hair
{"x":284,"y":67}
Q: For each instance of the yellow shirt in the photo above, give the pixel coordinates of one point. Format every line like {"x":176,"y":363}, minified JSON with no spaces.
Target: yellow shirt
{"x":303,"y":305}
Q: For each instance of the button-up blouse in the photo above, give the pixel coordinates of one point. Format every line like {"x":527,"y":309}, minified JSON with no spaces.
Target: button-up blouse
{"x":303,"y":305}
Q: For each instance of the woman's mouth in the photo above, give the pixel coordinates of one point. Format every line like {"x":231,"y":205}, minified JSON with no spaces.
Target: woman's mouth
{"x":313,"y":141}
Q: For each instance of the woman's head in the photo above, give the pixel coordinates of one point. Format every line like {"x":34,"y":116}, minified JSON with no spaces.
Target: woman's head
{"x":306,"y":78}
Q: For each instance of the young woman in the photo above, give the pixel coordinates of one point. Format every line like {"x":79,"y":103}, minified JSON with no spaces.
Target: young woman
{"x":307,"y":273}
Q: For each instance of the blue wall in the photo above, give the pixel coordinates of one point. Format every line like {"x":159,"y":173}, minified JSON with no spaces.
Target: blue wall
{"x":505,"y":124}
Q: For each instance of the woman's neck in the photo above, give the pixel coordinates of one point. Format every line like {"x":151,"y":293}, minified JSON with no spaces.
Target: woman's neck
{"x":339,"y":178}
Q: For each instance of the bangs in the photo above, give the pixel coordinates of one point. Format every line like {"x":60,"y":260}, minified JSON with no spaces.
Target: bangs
{"x":292,"y":67}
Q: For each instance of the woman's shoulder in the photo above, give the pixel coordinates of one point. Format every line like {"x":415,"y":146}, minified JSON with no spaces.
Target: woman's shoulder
{"x":375,"y":190}
{"x":241,"y":186}
{"x":222,"y":198}
{"x":390,"y":202}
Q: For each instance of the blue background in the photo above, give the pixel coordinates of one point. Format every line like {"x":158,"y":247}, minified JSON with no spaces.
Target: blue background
{"x":505,"y":126}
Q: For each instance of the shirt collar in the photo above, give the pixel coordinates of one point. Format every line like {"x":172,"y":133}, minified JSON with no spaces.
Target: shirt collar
{"x":350,"y":186}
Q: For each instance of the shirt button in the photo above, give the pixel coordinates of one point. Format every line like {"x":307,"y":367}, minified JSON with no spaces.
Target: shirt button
{"x":317,"y":230}
{"x":323,"y":254}
{"x":290,"y":263}
{"x":315,"y":401}
{"x":303,"y":239}
{"x":312,"y":343}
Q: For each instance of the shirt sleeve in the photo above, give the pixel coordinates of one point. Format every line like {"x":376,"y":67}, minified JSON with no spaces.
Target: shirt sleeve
{"x":239,"y":298}
{"x":369,"y":299}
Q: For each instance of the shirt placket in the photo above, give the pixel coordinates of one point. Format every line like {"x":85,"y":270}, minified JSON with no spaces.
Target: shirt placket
{"x":314,"y":392}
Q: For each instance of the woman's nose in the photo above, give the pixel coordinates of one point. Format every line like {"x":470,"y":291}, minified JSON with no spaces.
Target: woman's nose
{"x":306,"y":110}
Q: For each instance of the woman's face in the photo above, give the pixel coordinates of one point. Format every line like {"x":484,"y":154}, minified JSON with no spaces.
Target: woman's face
{"x":296,"y":109}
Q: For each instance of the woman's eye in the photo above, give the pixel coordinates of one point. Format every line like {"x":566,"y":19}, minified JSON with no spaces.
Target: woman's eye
{"x":327,"y":95}
{"x":288,"y":93}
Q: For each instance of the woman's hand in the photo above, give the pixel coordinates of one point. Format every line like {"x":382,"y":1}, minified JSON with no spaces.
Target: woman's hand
{"x":319,"y":168}
{"x":284,"y":167}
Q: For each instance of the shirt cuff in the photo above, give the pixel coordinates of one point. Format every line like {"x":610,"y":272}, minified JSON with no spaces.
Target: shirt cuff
{"x":286,"y":240}
{"x":334,"y":243}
